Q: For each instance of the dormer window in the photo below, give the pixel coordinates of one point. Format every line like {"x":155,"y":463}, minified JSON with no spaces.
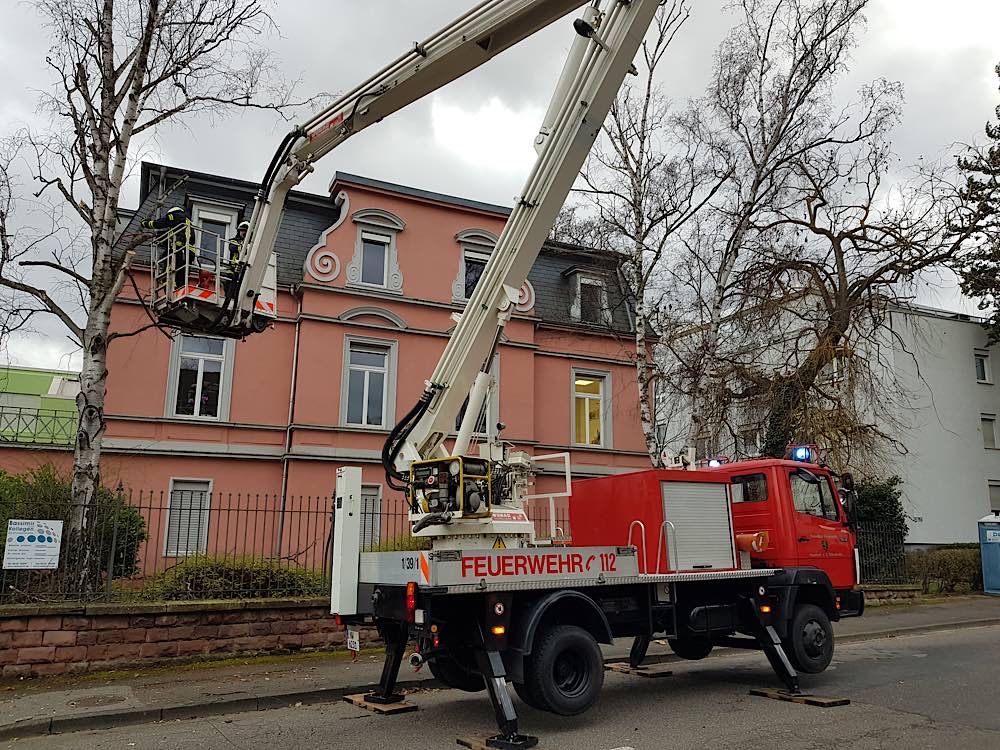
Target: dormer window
{"x":475,"y":264}
{"x":374,"y":253}
{"x":375,"y":265}
{"x":475,"y":246}
{"x":589,"y":297}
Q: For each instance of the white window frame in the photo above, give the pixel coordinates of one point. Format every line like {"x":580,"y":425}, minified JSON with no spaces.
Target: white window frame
{"x":377,"y":225}
{"x":606,"y":426}
{"x":987,"y":370}
{"x":388,"y":398}
{"x":472,"y":243}
{"x":225,"y":387}
{"x":989,"y":421}
{"x":580,"y":279}
{"x":992,"y":484}
{"x":836,"y":371}
{"x":202,"y":210}
{"x":203,"y":541}
{"x":375,"y":238}
{"x":475,"y":255}
{"x":373,"y":530}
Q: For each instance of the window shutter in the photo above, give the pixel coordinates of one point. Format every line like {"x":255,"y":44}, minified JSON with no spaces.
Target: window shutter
{"x":187,"y":519}
{"x":371,"y":516}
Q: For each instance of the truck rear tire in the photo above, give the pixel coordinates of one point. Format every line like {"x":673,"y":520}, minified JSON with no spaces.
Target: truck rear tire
{"x":449,"y":672}
{"x":565,"y":671}
{"x":810,"y":639}
{"x":691,"y":648}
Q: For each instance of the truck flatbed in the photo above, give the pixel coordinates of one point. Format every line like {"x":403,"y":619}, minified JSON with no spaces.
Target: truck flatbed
{"x":526,"y":569}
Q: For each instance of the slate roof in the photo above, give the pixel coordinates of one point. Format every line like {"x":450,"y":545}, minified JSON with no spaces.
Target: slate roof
{"x":308,"y":214}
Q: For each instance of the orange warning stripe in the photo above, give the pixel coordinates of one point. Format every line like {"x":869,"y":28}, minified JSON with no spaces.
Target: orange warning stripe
{"x":425,"y":571}
{"x":198,"y":292}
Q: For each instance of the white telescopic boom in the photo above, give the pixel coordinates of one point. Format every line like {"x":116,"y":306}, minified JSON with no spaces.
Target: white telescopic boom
{"x":587,"y":89}
{"x":463,"y":45}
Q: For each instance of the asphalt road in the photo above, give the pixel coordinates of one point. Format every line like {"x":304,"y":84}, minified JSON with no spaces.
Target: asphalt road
{"x":925,"y":691}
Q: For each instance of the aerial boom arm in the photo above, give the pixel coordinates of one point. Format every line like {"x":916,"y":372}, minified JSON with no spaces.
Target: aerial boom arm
{"x":601,"y":58}
{"x":461,"y":46}
{"x":608,"y":37}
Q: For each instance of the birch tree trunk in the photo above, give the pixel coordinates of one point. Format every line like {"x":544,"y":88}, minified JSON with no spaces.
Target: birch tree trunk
{"x":121,"y":69}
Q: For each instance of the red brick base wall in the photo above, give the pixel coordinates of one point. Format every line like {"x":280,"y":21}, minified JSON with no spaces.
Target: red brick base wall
{"x":56,"y":640}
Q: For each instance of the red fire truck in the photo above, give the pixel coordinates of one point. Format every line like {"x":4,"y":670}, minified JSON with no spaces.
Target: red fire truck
{"x":756,"y":554}
{"x":688,"y":555}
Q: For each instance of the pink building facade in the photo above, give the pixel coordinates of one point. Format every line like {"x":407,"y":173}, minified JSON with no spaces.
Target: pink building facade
{"x":369,"y":277}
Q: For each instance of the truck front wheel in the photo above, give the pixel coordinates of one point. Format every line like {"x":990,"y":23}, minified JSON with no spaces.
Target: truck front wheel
{"x":810,"y":639}
{"x":565,"y":671}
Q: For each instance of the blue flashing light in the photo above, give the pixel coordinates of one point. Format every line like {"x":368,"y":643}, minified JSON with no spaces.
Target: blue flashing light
{"x":714,"y":463}
{"x":805,"y":453}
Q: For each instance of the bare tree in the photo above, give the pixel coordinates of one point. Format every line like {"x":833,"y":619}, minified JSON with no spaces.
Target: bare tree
{"x":648,"y":175}
{"x":852,"y":245}
{"x":770,"y":100}
{"x":121,"y":70}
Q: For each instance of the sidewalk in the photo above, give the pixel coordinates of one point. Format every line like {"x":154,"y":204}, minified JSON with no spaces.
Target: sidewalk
{"x":45,"y":706}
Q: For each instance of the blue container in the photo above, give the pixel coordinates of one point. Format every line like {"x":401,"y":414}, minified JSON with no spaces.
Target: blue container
{"x":989,"y":545}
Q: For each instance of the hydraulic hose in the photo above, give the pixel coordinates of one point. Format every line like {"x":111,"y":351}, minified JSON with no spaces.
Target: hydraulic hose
{"x":394,"y":442}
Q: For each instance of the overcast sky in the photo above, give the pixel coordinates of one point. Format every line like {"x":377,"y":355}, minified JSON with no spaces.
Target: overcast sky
{"x":474,"y":138}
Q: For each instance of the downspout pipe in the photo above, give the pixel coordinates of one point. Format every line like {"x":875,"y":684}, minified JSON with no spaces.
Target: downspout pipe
{"x":297,"y":293}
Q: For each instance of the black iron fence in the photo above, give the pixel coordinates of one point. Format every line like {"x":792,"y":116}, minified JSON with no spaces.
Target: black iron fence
{"x":186,"y":544}
{"x":22,"y":424}
{"x":881,"y":554}
{"x":192,"y":543}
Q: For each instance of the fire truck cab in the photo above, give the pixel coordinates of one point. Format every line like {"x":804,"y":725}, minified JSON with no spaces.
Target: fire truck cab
{"x":807,"y":518}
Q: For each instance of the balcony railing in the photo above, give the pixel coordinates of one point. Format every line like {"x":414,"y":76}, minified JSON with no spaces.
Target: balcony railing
{"x":23,"y":424}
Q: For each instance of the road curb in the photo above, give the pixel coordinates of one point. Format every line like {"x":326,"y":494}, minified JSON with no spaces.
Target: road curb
{"x":917,"y":630}
{"x":175,"y":712}
{"x":125,"y":717}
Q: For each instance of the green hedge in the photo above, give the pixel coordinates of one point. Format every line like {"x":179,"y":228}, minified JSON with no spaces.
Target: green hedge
{"x":205,"y":577}
{"x":944,"y":570}
{"x":43,"y":493}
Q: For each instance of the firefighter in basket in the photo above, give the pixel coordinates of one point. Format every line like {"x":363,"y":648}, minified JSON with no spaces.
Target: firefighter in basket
{"x":177,"y":252}
{"x":231,"y":262}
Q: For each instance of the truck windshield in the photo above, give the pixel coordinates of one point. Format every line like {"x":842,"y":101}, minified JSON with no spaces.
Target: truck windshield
{"x":814,"y":499}
{"x":749,"y":488}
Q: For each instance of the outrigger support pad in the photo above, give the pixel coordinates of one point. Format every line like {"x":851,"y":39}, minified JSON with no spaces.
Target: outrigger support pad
{"x":491,"y":667}
{"x":771,"y":645}
{"x":395,"y":636}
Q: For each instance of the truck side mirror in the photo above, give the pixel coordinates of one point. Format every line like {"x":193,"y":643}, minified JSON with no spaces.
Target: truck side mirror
{"x":848,"y":500}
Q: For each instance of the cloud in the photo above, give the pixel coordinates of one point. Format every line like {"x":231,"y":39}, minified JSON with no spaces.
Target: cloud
{"x":491,"y":136}
{"x":474,"y":137}
{"x":40,"y":350}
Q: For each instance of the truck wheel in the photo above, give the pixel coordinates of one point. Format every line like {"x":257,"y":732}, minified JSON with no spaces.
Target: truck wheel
{"x":448,"y":671}
{"x":810,"y":639}
{"x":565,"y":671}
{"x":691,"y":648}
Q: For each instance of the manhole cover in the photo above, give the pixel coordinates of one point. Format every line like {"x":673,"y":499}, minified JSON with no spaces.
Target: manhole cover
{"x":93,"y":701}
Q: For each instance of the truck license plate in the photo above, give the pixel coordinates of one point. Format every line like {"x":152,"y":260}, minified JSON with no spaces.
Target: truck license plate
{"x":353,"y":640}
